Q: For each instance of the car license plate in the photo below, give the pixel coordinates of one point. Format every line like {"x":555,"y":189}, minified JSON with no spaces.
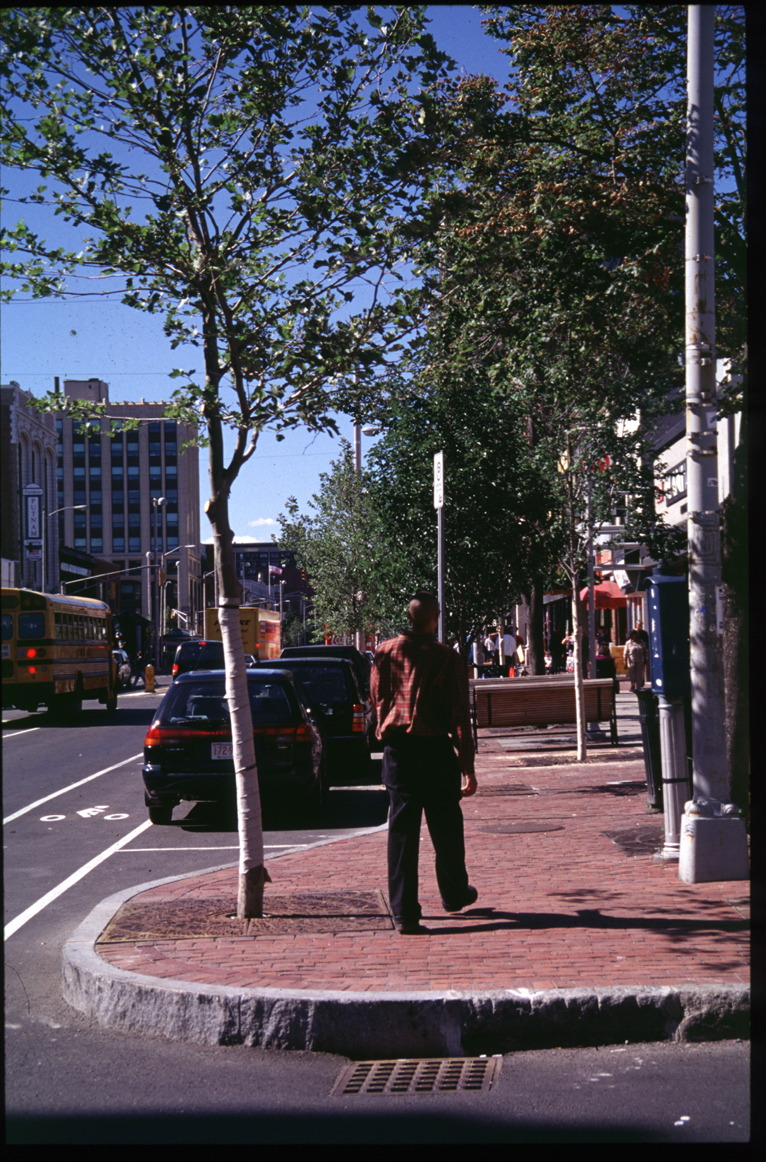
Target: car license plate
{"x":222,"y":750}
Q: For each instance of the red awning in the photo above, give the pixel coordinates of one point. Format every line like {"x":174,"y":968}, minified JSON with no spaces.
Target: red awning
{"x":608,"y":596}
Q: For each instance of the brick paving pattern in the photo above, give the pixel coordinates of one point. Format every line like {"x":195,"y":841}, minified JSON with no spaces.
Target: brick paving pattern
{"x":557,"y":909}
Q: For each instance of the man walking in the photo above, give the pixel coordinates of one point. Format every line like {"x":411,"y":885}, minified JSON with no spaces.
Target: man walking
{"x":420,"y":694}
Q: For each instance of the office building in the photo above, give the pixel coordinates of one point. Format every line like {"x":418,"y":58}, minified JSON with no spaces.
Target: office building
{"x":118,"y":474}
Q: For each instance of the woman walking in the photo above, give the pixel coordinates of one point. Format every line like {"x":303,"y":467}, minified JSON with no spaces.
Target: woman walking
{"x":634,"y":655}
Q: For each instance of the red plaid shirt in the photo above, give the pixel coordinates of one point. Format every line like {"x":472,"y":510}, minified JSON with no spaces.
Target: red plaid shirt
{"x":420,"y":686}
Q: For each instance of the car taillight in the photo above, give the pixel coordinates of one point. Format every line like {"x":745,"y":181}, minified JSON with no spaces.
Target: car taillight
{"x":34,"y":653}
{"x":301,"y":733}
{"x":158,"y":735}
{"x":175,"y":668}
{"x":358,"y":719}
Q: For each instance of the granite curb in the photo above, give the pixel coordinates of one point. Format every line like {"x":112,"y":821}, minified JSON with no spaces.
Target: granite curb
{"x":387,"y":1024}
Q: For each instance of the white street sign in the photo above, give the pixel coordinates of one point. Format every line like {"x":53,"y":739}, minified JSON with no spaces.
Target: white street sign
{"x":439,"y":480}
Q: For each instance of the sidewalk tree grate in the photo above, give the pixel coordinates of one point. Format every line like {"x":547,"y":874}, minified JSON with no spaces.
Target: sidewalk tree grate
{"x":419,"y":1075}
{"x":190,"y":919}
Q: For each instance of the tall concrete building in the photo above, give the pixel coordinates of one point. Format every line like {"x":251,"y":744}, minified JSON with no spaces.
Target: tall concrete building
{"x":27,"y":456}
{"x":120,"y":476}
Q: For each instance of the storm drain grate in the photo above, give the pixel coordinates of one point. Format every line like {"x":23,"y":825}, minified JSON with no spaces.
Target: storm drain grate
{"x":419,"y":1075}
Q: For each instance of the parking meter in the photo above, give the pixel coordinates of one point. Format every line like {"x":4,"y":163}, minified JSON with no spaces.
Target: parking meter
{"x":669,"y":634}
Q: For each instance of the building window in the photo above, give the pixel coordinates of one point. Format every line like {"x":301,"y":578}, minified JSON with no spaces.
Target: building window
{"x":674,"y":483}
{"x":134,"y":544}
{"x":118,"y":544}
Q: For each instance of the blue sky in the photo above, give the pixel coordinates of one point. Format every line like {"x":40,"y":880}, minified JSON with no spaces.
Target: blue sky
{"x":78,"y":340}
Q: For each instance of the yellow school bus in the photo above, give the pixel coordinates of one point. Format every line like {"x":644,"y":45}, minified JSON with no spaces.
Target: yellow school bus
{"x":56,"y":650}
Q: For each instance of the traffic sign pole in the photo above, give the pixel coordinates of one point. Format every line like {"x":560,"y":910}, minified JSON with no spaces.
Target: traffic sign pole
{"x":439,"y":506}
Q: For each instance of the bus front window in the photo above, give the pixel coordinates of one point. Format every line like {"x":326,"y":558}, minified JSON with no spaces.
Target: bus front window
{"x":31,"y":625}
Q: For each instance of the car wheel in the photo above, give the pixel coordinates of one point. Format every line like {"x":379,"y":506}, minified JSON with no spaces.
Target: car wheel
{"x":160,"y":815}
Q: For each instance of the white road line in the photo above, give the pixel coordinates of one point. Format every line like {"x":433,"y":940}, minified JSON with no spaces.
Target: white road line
{"x":71,"y":787}
{"x":43,"y":902}
{"x":199,"y":850}
{"x":202,"y":850}
{"x":16,"y":733}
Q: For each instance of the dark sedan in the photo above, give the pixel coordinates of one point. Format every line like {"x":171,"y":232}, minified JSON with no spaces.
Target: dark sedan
{"x":332,"y":685}
{"x":188,"y":750}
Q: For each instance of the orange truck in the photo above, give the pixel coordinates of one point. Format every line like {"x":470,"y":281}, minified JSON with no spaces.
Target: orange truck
{"x":261,"y":630}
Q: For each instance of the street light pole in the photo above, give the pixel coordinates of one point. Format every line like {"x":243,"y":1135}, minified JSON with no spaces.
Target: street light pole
{"x":713,"y":837}
{"x":156,"y":501}
{"x":55,"y":512}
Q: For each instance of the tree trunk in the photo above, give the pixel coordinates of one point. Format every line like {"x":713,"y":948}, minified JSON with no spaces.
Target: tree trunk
{"x":577,"y":631}
{"x":535,"y":628}
{"x":252,"y":873}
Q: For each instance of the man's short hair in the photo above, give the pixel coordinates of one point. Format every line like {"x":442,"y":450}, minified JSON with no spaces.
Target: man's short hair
{"x":422,"y":608}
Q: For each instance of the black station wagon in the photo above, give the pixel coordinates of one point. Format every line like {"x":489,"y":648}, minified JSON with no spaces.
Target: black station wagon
{"x":188,"y":750}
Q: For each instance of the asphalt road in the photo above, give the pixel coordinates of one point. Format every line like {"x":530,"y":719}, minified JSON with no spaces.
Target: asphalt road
{"x":76,"y":830}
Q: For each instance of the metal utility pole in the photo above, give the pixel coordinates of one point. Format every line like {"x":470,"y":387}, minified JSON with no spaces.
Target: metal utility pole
{"x":713,"y":846}
{"x":439,"y":506}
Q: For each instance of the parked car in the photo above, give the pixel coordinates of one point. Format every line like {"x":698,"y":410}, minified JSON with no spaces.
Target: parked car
{"x":188,"y":750}
{"x":361,"y":662}
{"x":123,"y":669}
{"x":332,"y":685}
{"x":250,"y":660}
{"x":197,"y":655}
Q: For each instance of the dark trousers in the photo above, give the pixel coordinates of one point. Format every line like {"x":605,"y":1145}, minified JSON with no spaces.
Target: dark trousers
{"x":423,"y":774}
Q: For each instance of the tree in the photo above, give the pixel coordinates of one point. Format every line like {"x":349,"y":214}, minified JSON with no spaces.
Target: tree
{"x":491,"y":485}
{"x":344,"y":550}
{"x":244,"y":172}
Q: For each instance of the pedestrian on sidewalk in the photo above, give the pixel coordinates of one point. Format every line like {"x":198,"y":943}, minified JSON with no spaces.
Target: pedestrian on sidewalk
{"x":635,"y":661}
{"x":420,"y":694}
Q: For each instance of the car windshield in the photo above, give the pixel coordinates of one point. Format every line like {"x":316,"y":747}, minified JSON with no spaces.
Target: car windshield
{"x":205,"y":702}
{"x":325,"y":684}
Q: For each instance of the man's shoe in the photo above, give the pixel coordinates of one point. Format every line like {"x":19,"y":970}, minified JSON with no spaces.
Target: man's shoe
{"x":413,"y":928}
{"x":471,"y":897}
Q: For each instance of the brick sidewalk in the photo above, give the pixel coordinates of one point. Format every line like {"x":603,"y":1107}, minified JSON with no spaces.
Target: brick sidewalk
{"x":564,"y":907}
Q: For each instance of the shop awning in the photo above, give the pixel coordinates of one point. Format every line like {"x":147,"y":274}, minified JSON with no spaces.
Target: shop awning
{"x":607,"y":595}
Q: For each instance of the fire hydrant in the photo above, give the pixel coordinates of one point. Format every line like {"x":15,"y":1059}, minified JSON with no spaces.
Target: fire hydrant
{"x":149,"y":679}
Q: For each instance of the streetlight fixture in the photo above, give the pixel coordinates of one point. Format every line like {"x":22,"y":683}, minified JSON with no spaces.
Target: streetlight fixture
{"x":45,"y":534}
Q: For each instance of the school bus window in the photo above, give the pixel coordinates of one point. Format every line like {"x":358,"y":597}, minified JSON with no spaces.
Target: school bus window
{"x":31,"y":625}
{"x":57,"y":621}
{"x":7,"y":627}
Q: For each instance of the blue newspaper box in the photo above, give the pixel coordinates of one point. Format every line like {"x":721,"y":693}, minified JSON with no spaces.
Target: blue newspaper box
{"x":668,"y":598}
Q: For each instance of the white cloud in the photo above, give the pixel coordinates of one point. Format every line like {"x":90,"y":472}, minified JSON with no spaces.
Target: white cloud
{"x":262,"y":520}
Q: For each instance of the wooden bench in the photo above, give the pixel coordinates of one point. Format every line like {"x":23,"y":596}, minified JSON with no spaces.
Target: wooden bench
{"x":539,"y":702}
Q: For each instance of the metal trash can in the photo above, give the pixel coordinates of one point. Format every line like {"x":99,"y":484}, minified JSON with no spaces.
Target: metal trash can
{"x":650,"y":737}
